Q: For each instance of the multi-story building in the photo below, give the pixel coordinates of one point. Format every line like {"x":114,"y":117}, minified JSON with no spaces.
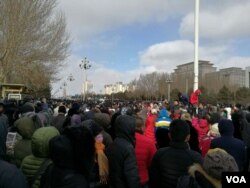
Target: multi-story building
{"x":183,"y":76}
{"x":115,"y":88}
{"x":87,"y":87}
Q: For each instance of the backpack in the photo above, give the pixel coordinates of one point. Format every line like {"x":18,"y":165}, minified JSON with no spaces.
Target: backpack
{"x":187,"y":181}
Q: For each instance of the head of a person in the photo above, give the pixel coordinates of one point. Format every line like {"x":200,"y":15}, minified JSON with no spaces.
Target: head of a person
{"x":176,"y":102}
{"x":74,"y":149}
{"x":139,"y":125}
{"x":103,"y":119}
{"x":226,"y":127}
{"x":1,"y":107}
{"x":186,"y":116}
{"x":40,"y":141}
{"x":27,"y":107}
{"x":217,"y":161}
{"x":62,"y":110}
{"x":214,"y":118}
{"x":125,"y":128}
{"x":179,"y":131}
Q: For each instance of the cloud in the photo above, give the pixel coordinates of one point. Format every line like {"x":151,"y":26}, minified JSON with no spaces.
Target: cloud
{"x":158,"y":57}
{"x":219,"y":22}
{"x":86,"y":18}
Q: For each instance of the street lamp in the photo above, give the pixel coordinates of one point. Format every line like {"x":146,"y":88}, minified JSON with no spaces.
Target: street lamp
{"x":70,"y":78}
{"x":169,"y":81}
{"x":85,"y":65}
{"x":64,"y":90}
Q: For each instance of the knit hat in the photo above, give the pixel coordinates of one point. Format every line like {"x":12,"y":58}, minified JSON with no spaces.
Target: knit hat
{"x":217,"y":161}
{"x":27,"y":107}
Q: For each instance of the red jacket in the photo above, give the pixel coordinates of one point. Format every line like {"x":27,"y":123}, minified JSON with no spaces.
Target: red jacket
{"x":202,"y":127}
{"x":205,"y":144}
{"x":150,"y":127}
{"x":194,"y":97}
{"x":145,"y":150}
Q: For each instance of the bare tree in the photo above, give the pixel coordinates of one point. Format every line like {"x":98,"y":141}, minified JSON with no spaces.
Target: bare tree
{"x":33,"y":41}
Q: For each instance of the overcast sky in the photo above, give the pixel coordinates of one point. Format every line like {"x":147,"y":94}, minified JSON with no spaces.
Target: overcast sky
{"x":124,"y":38}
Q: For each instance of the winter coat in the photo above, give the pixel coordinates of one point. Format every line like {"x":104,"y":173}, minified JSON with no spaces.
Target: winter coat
{"x":202,"y":178}
{"x":145,"y":150}
{"x":11,"y":177}
{"x":40,"y":153}
{"x":58,"y":121}
{"x":194,"y":140}
{"x":25,"y":127}
{"x":170,"y":163}
{"x":194,"y":98}
{"x":121,"y":155}
{"x":245,"y":131}
{"x":202,"y":127}
{"x":3,"y":135}
{"x":237,"y":118}
{"x":63,"y":174}
{"x":150,"y":127}
{"x":231,"y":145}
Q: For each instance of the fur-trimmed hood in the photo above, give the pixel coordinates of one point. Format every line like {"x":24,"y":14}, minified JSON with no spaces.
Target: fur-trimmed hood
{"x":197,"y":168}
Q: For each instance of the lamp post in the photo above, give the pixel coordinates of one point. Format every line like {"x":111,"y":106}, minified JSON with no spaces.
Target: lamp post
{"x":70,"y":78}
{"x":169,"y":81}
{"x":64,"y":90}
{"x":85,"y":65}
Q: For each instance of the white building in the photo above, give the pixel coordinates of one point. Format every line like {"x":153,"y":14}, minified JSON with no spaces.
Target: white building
{"x":115,"y":88}
{"x":87,"y":86}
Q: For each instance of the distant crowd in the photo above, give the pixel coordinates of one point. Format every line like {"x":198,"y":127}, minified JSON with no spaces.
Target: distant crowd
{"x":179,"y":144}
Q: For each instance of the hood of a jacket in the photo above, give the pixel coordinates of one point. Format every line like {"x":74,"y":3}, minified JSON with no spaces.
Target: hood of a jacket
{"x":226,"y":127}
{"x":163,"y":113}
{"x":203,"y":123}
{"x":61,"y":152}
{"x":40,"y":141}
{"x":25,"y":127}
{"x":197,"y":92}
{"x":125,"y":128}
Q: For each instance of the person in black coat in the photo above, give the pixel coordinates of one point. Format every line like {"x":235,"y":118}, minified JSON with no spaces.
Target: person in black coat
{"x":173,"y":162}
{"x":3,"y":132}
{"x":233,"y":146}
{"x":72,"y":154}
{"x":121,"y":155}
{"x":11,"y":177}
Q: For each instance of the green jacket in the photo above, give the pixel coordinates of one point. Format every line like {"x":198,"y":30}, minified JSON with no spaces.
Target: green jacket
{"x":25,"y":127}
{"x":40,"y":153}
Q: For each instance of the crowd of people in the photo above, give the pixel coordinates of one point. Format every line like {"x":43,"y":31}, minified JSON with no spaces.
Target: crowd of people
{"x":123,"y":145}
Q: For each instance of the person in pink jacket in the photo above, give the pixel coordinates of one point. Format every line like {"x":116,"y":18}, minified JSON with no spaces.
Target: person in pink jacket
{"x":201,"y":126}
{"x":145,"y":150}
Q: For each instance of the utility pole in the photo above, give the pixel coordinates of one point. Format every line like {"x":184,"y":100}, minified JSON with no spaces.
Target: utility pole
{"x":85,"y":65}
{"x":196,"y":45}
